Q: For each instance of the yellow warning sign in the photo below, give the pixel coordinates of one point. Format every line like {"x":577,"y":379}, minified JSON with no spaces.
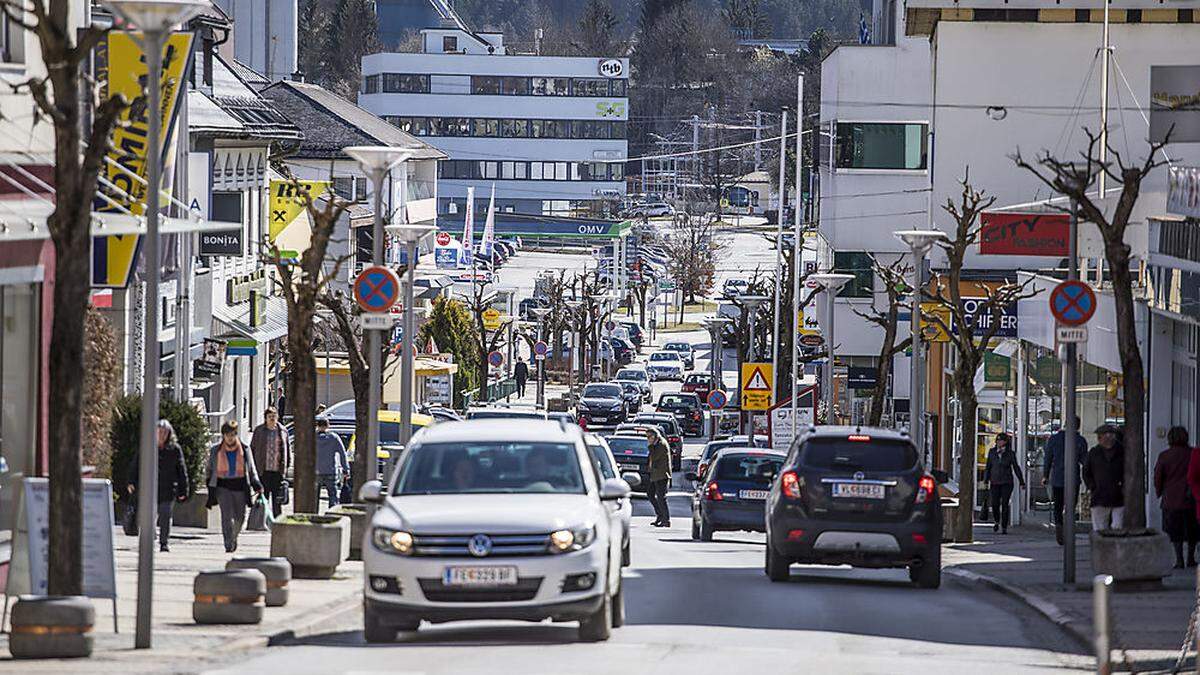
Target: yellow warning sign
{"x":492,"y":319}
{"x":286,"y":203}
{"x":758,"y":386}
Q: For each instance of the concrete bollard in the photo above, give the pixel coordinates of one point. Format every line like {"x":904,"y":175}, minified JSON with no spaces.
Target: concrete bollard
{"x":278,"y":572}
{"x":56,"y":627}
{"x":229,"y":597}
{"x":1101,"y":620}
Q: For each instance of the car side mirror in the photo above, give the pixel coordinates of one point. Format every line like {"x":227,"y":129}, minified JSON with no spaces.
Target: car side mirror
{"x":371,"y":492}
{"x":632,"y":479}
{"x":613,"y":489}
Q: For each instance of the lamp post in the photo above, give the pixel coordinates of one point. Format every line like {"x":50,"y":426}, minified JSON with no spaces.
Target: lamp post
{"x":573,"y":307}
{"x":540,"y":314}
{"x":715,"y":366}
{"x":155,"y":19}
{"x":410,"y":236}
{"x":376,"y":161}
{"x":830,"y":283}
{"x":752,"y":303}
{"x":919,"y":243}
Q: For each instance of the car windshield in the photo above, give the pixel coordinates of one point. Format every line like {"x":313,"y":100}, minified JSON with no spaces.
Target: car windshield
{"x":489,"y":467}
{"x":602,"y":391}
{"x":629,"y":445}
{"x":341,"y":409}
{"x":747,"y":467}
{"x":712,"y":449}
{"x":698,"y":379}
{"x":667,"y":426}
{"x":664,"y":356}
{"x":496,"y":414}
{"x":600,"y":457}
{"x":632,"y":374}
{"x":845,"y":454}
{"x":678,"y":346}
{"x":678,"y":401}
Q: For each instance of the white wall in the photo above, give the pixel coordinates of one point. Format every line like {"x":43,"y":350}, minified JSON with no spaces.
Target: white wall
{"x":264,"y":35}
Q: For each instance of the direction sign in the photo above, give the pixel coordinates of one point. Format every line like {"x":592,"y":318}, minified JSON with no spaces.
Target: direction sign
{"x":539,"y":350}
{"x":812,"y":340}
{"x":1071,"y":334}
{"x":496,"y":359}
{"x":757,"y":385}
{"x":717,"y":399}
{"x":1072,"y":303}
{"x":376,"y":289}
{"x":443,"y":238}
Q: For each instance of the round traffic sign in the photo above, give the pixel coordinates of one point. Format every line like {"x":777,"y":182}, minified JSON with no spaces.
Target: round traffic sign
{"x":812,"y":340}
{"x":376,"y":289}
{"x":717,"y":399}
{"x":443,"y":238}
{"x":1072,"y":303}
{"x":496,"y":359}
{"x":540,"y":348}
{"x":610,"y":326}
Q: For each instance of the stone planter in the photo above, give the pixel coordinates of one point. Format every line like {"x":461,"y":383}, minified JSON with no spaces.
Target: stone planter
{"x":314,"y":544}
{"x":192,"y":513}
{"x":1137,"y":560}
{"x":56,"y":627}
{"x":358,"y":517}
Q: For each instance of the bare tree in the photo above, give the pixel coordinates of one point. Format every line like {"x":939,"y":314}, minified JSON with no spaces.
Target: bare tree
{"x":692,"y":252}
{"x":486,"y":344}
{"x":970,"y":333}
{"x":893,"y":276}
{"x":1072,"y":180}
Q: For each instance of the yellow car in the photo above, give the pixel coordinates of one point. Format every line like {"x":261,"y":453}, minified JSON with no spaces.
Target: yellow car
{"x":389,"y":433}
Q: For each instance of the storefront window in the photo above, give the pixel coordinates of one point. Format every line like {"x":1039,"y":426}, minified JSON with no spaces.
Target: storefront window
{"x":19,"y":322}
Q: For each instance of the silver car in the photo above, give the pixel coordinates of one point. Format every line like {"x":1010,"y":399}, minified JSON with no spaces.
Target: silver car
{"x":606,"y":464}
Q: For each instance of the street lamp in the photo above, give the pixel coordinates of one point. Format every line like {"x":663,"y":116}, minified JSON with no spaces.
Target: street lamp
{"x":410,"y":236}
{"x":830,"y":283}
{"x":573,"y":307}
{"x":155,"y":19}
{"x":540,"y":314}
{"x":715,"y":325}
{"x":919,"y":243}
{"x":376,"y":161}
{"x":752,"y":303}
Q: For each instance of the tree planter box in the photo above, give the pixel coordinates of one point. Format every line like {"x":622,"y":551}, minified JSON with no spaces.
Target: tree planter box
{"x":1137,"y":560}
{"x":314,"y":544}
{"x":358,"y":517}
{"x":192,"y":513}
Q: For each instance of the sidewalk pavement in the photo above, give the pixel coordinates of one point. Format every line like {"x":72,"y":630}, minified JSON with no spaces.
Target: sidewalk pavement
{"x":176,"y":638}
{"x":1148,"y":626}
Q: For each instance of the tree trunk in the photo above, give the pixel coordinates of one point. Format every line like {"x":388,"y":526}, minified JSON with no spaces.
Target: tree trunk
{"x":303,"y":396}
{"x":364,"y":461}
{"x":1133,"y":387}
{"x":964,"y":385}
{"x":883,"y":370}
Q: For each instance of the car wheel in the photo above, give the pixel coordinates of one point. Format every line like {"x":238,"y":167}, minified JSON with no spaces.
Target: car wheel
{"x":695,"y":530}
{"x":929,"y":573}
{"x":626,"y":557}
{"x":374,"y":630}
{"x":618,"y":607}
{"x":706,"y":530}
{"x":598,"y":626}
{"x":776,"y":565}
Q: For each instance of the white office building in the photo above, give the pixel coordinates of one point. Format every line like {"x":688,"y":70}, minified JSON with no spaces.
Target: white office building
{"x":548,"y":131}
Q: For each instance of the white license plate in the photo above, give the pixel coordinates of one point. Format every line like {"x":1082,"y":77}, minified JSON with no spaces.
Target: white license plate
{"x":479,"y":576}
{"x":858,"y":490}
{"x":752,"y":494}
{"x":629,"y":467}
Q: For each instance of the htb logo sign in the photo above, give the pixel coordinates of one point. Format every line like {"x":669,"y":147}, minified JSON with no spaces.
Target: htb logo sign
{"x":611,"y":68}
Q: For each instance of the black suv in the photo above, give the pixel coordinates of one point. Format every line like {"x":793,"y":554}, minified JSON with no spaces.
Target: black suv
{"x":686,"y":408}
{"x":855,"y":496}
{"x":602,"y":404}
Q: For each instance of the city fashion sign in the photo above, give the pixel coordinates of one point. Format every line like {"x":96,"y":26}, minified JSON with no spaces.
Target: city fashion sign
{"x":1175,"y":103}
{"x":1024,"y":234}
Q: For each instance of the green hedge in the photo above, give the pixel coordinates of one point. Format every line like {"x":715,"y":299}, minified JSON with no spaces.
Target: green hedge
{"x":190,"y":429}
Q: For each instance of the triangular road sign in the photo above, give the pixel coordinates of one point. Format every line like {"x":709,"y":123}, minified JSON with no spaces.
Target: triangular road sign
{"x":757,"y":382}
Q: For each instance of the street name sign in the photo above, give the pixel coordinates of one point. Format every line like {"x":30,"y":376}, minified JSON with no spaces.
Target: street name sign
{"x":1071,"y":334}
{"x":376,"y":321}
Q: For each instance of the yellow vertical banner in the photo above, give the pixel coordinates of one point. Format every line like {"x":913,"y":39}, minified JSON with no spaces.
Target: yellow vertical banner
{"x":286,"y":203}
{"x":121,"y":67}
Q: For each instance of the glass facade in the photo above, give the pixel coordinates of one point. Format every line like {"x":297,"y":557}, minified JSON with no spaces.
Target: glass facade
{"x":882,"y":145}
{"x":508,"y":128}
{"x":20,"y":322}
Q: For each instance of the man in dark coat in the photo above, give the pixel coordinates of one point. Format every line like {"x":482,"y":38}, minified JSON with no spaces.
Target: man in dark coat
{"x":1054,"y":471}
{"x":660,"y":477}
{"x":1171,"y":486}
{"x":1104,"y":474}
{"x":521,"y":372}
{"x":1002,"y":467}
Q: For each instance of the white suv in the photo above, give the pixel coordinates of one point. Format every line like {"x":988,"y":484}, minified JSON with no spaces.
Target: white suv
{"x":494,"y":519}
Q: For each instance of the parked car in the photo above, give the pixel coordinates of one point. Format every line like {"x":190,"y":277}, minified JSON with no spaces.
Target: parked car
{"x":514,"y":489}
{"x":684,"y":349}
{"x":632,"y":451}
{"x":602,"y":403}
{"x":669,"y":426}
{"x":732,"y":493}
{"x":606,"y":465}
{"x":636,"y":335}
{"x":686,"y":408}
{"x":855,"y":496}
{"x":665,"y":365}
{"x":699,"y":384}
{"x":637,"y":375}
{"x":713,"y":447}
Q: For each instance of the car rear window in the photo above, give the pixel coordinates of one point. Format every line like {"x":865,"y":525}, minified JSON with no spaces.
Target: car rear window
{"x":747,"y":467}
{"x":664,"y":356}
{"x":842,"y":453}
{"x":679,"y":400}
{"x":619,"y":445}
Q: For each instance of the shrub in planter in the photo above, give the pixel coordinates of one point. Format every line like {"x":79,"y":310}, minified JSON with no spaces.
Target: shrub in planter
{"x":314,"y":544}
{"x":190,"y":429}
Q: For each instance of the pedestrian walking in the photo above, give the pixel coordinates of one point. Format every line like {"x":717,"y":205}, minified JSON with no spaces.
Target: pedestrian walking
{"x":1178,"y":506}
{"x":332,"y":466}
{"x":272,"y":456}
{"x":660,"y":477}
{"x":521,"y":372}
{"x":1001,"y":468}
{"x":232,"y":482}
{"x":1054,"y":472}
{"x":1104,"y":474}
{"x":172,"y":480}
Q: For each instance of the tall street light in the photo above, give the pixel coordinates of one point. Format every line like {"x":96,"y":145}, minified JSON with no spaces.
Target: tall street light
{"x":376,"y":161}
{"x":752,"y":303}
{"x":715,"y":326}
{"x":410,"y":236}
{"x":155,"y":19}
{"x":830,"y":283}
{"x":919,"y":243}
{"x":540,"y":313}
{"x":573,"y":307}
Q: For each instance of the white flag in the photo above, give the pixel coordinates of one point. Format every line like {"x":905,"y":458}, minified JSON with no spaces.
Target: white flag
{"x":489,"y":226}
{"x":468,"y":237}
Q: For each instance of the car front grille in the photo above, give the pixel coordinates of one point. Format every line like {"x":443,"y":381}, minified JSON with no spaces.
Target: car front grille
{"x":526,"y":588}
{"x":455,"y":546}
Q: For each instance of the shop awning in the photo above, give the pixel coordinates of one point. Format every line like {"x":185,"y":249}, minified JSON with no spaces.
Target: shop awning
{"x":273,"y":326}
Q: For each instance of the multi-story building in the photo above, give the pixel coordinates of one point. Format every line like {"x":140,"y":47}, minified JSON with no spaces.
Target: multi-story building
{"x":547,"y":131}
{"x":264,"y":35}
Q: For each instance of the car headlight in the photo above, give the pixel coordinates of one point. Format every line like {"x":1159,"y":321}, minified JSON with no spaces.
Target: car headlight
{"x":392,"y":541}
{"x":565,"y":541}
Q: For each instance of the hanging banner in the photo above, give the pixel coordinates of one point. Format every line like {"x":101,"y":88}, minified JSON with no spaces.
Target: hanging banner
{"x":121,"y":68}
{"x":286,"y":203}
{"x":489,"y":227}
{"x":467,"y":252}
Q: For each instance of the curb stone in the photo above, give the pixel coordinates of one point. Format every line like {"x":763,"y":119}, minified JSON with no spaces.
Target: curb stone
{"x":1075,"y":629}
{"x":317,"y":618}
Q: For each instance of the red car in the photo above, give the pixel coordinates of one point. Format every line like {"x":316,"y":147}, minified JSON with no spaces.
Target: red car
{"x":699,"y":384}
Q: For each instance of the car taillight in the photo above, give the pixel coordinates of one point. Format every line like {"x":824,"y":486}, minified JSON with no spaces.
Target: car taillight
{"x":789,"y":483}
{"x":673,"y":439}
{"x":696,"y":415}
{"x":859,"y":438}
{"x":925,"y":489}
{"x":712,"y":493}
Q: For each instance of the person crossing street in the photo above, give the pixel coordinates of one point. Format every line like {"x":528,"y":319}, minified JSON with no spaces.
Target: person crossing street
{"x":660,"y":477}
